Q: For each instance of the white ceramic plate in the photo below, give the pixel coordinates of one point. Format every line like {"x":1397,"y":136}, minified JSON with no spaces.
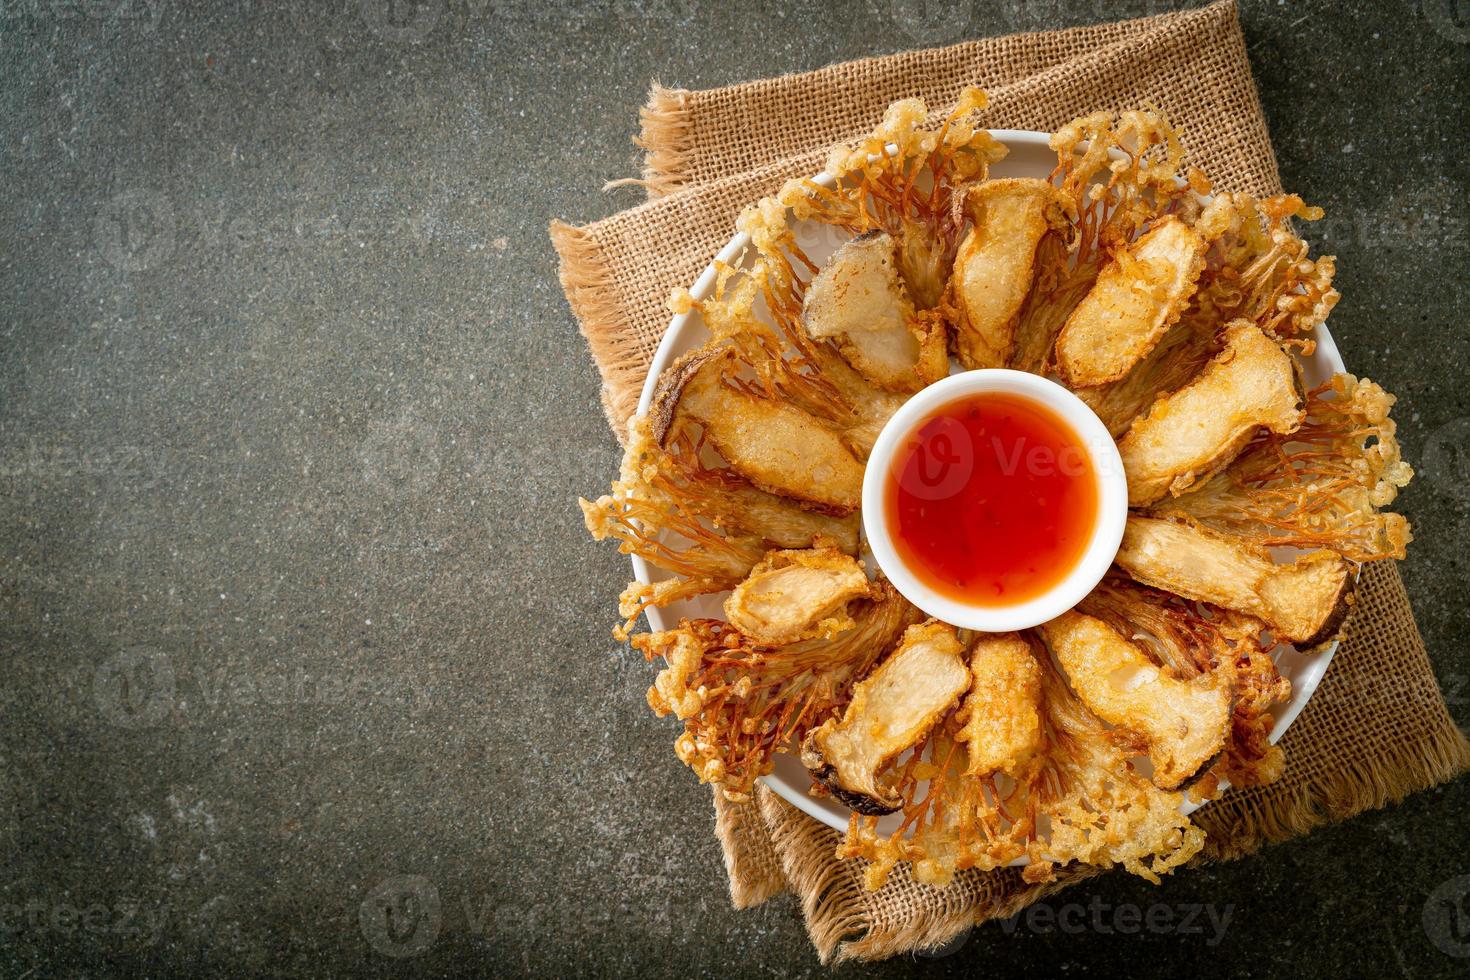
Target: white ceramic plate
{"x":1029,"y":156}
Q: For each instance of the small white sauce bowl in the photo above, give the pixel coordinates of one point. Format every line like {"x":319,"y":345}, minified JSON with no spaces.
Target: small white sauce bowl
{"x":1107,"y":469}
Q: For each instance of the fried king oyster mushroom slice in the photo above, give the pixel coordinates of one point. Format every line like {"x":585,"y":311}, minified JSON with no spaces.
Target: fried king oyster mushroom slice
{"x":1189,"y":435}
{"x":859,"y":301}
{"x":797,"y":595}
{"x":891,"y":710}
{"x":1182,"y":724}
{"x":1304,"y":602}
{"x":656,"y":483}
{"x":773,"y":444}
{"x":1321,"y":487}
{"x":996,"y":263}
{"x":1002,"y":712}
{"x":1138,"y":296}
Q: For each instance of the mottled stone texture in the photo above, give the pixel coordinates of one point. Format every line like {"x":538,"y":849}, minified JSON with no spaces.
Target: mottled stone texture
{"x":303,"y":643}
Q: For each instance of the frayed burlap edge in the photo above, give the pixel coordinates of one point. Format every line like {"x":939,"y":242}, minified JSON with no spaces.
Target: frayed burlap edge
{"x":823,"y":885}
{"x":677,"y":157}
{"x":845,"y":921}
{"x":1331,"y":799}
{"x":667,"y":137}
{"x":593,"y":293}
{"x":751,"y":860}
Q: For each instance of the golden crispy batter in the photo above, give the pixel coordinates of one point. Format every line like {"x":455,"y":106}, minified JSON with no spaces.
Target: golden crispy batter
{"x":1177,"y":360}
{"x":1305,"y":601}
{"x":860,"y":302}
{"x":741,"y":702}
{"x":1100,"y":810}
{"x":1138,"y":296}
{"x":872,"y":405}
{"x":1319,"y":487}
{"x":996,"y":263}
{"x":1002,"y":712}
{"x":1142,"y":829}
{"x":902,"y":178}
{"x":725,"y":523}
{"x":1189,"y":435}
{"x":773,"y":444}
{"x":1181,"y":724}
{"x":1193,"y":639}
{"x":891,"y":710}
{"x":675,"y":477}
{"x":779,"y":363}
{"x":797,"y":595}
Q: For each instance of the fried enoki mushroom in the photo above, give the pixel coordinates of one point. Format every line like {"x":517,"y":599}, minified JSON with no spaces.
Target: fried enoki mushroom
{"x":996,"y":264}
{"x":1319,"y":487}
{"x":706,"y":525}
{"x":1193,"y":639}
{"x":1002,"y":711}
{"x":1189,"y":435}
{"x":741,"y":702}
{"x":1181,"y":724}
{"x":1141,"y":293}
{"x":891,"y":710}
{"x":1258,"y":269}
{"x":1115,"y":174}
{"x":904,"y":179}
{"x":772,"y":443}
{"x":1083,"y":801}
{"x":861,"y":303}
{"x":1102,"y":811}
{"x":1304,"y":601}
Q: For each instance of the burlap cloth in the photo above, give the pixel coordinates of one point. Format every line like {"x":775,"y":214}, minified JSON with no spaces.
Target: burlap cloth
{"x":1376,"y":730}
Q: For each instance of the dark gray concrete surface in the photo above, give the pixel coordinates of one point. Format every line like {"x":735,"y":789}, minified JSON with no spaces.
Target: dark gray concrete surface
{"x":297,"y":614}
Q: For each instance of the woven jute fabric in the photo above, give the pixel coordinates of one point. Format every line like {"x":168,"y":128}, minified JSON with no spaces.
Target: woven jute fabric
{"x":1376,"y":730}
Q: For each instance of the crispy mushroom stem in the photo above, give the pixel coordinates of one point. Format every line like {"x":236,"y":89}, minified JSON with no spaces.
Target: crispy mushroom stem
{"x":1138,"y":296}
{"x":797,"y":595}
{"x":1305,"y":601}
{"x":1181,"y":724}
{"x":1002,"y":712}
{"x":996,"y":263}
{"x":891,"y":711}
{"x":774,"y":444}
{"x":860,"y":302}
{"x":1195,"y":432}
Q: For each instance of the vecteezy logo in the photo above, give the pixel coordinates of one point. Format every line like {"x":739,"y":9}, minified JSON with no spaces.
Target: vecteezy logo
{"x":135,"y":230}
{"x":402,"y":916}
{"x":942,"y":461}
{"x":1447,"y":917}
{"x":1449,"y":18}
{"x":135,"y":688}
{"x":926,"y":21}
{"x":1446,"y":460}
{"x":401,"y":21}
{"x":400,"y":454}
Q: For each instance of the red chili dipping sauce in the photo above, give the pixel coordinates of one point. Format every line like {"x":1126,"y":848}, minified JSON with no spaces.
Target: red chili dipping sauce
{"x":992,"y":499}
